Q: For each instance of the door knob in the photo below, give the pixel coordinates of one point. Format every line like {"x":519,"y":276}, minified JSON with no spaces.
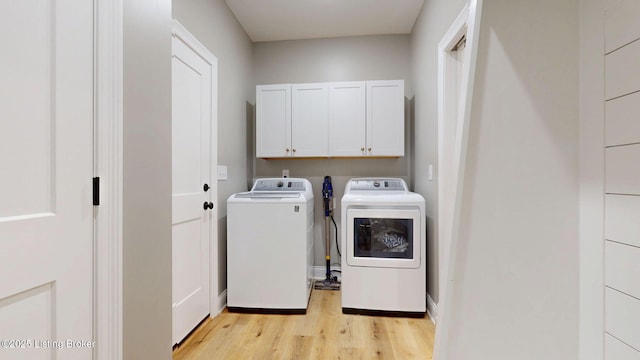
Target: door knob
{"x":206,"y":187}
{"x":208,"y":205}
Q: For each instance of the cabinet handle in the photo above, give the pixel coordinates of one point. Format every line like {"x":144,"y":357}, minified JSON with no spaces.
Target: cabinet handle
{"x":369,"y":149}
{"x":287,"y":149}
{"x":294,"y":150}
{"x":361,"y":149}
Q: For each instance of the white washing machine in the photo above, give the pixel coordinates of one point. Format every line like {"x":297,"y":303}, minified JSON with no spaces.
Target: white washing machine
{"x":270,"y":247}
{"x":384,"y":240}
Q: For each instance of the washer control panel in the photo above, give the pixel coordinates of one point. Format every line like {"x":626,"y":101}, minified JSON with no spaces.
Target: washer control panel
{"x":279,"y":185}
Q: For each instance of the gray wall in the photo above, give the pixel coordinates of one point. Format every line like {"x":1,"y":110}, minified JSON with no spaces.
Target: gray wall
{"x":147,"y":180}
{"x":384,"y":57}
{"x":215,"y":26}
{"x":515,"y":294}
{"x":434,"y":20}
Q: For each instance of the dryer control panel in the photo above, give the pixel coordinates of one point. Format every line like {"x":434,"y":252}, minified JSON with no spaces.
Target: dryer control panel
{"x":377,"y":184}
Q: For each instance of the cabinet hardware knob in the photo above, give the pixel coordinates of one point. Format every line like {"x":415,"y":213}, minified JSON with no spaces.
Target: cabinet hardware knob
{"x":361,"y":149}
{"x":294,"y":150}
{"x":369,"y":149}
{"x":206,"y":187}
{"x":287,"y":149}
{"x":208,"y":205}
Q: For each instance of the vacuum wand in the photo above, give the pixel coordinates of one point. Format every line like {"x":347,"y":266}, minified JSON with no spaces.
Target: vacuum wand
{"x":327,"y":196}
{"x":329,"y":283}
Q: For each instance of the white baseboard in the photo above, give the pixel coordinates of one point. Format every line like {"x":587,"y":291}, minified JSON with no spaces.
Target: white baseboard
{"x":222,"y":301}
{"x":319,"y":272}
{"x":432,"y":309}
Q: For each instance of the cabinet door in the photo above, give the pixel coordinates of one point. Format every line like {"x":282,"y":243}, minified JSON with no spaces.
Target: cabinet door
{"x":273,"y":120}
{"x":385,"y":118}
{"x":310,"y":120}
{"x":347,"y":119}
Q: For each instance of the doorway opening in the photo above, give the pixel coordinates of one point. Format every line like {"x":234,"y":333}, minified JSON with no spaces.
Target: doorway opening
{"x":451,"y":96}
{"x":457,"y":56}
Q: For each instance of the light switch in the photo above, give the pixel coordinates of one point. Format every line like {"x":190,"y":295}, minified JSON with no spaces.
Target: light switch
{"x":430,"y":172}
{"x":222,"y":173}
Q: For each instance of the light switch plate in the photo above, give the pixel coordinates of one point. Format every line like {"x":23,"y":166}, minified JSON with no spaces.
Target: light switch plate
{"x":222,"y":173}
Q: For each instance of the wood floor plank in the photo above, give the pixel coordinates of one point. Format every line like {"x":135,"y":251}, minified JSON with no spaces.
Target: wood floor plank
{"x":424,"y":333}
{"x":323,"y":333}
{"x":327,"y":331}
{"x":379,"y":339}
{"x":402,"y":339}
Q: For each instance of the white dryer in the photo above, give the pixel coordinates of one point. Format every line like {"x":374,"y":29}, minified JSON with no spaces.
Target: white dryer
{"x":384,"y":240}
{"x":270,"y":247}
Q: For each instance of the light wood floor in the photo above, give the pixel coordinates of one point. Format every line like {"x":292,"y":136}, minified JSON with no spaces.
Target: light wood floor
{"x":323,"y":333}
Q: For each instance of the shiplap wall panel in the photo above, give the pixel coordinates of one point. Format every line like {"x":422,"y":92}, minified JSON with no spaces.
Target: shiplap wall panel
{"x":621,"y":24}
{"x":622,"y":169}
{"x":622,"y":119}
{"x":622,"y":317}
{"x":622,"y":219}
{"x":622,"y":73}
{"x":622,"y":268}
{"x":615,"y":349}
{"x":622,"y":180}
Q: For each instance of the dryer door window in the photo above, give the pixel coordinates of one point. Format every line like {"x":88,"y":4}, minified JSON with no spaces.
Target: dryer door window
{"x":383,"y":238}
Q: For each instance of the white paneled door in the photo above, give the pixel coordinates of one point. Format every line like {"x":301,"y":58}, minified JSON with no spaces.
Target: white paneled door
{"x":46,"y":160}
{"x":194,"y":85}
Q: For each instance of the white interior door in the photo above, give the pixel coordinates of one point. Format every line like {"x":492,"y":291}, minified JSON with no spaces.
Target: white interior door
{"x":46,"y":157}
{"x":194,"y":187}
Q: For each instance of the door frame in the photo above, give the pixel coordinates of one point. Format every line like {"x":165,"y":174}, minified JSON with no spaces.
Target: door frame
{"x":472,"y":21}
{"x":108,"y":165}
{"x":446,"y":75}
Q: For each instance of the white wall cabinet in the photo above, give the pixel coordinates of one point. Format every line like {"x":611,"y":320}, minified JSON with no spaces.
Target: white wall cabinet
{"x":273,"y":121}
{"x":310,"y":120}
{"x":385,"y":118}
{"x":292,"y":120}
{"x":345,"y":119}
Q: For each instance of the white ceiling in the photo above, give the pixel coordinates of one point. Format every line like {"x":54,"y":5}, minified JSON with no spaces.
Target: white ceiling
{"x":270,"y":20}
